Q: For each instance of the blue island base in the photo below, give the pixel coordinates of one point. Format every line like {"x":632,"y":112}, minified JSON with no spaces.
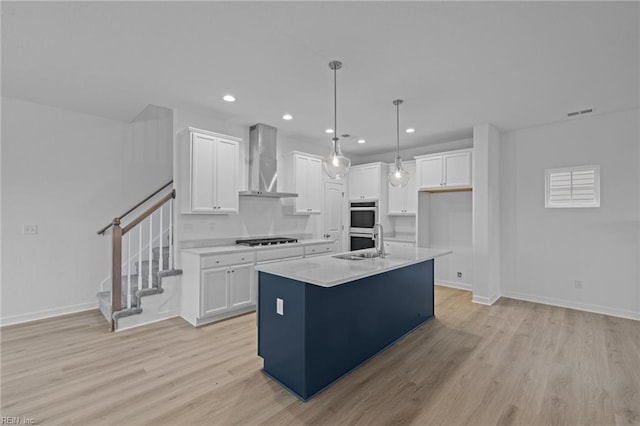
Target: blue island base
{"x":326,"y":332}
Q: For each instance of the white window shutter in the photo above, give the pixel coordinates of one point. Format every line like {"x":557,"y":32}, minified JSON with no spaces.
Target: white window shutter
{"x":572,"y":187}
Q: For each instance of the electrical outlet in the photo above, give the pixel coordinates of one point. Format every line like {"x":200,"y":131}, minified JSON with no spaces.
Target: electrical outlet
{"x":459,"y":274}
{"x":577,"y":283}
{"x":279,"y":306}
{"x":30,"y":229}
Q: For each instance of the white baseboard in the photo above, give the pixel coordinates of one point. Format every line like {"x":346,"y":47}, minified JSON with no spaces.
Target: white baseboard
{"x":453,"y":284}
{"x":485,"y":300}
{"x":47,"y":313}
{"x":605,"y":310}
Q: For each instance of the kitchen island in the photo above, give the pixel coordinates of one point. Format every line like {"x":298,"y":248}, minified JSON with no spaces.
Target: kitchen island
{"x":320,"y":318}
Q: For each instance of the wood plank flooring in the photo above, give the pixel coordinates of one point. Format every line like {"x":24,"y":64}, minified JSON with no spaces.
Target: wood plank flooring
{"x":512,"y":363}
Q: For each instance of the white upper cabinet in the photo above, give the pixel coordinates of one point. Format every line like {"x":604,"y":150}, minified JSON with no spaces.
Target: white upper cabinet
{"x":304,"y":177}
{"x":364,"y":182}
{"x":210,"y":172}
{"x":445,"y":171}
{"x":404,"y":201}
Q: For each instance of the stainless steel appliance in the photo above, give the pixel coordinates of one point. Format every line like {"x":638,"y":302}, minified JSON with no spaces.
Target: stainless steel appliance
{"x":361,"y":241}
{"x":363,"y":217}
{"x":266,"y":241}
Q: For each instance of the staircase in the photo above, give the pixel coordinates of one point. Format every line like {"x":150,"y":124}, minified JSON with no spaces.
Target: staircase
{"x":136,"y":294}
{"x":142,"y":256}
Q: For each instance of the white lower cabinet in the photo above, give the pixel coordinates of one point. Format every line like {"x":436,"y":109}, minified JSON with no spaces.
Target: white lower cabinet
{"x":225,"y":289}
{"x":318,"y":249}
{"x":215,"y":292}
{"x":217,"y":285}
{"x":241,"y":288}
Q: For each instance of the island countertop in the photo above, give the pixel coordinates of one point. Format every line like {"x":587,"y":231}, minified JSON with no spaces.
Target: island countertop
{"x":328,"y":271}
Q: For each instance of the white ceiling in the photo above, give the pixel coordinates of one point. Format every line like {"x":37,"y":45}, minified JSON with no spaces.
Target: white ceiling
{"x":455,"y":64}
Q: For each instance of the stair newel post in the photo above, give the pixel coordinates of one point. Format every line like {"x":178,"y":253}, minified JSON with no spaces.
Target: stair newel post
{"x":116,"y":268}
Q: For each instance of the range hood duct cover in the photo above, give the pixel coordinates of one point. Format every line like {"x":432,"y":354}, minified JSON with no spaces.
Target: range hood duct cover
{"x":263,"y":163}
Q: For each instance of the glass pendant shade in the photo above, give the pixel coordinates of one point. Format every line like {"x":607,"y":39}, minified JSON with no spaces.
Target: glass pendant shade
{"x":398,"y":176}
{"x":336,"y":165}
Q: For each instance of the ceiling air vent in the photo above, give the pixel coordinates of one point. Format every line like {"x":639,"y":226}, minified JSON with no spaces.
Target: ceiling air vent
{"x":582,"y":112}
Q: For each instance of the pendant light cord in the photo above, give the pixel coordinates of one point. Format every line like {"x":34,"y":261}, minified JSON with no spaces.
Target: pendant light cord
{"x":398,"y":129}
{"x":335,"y":106}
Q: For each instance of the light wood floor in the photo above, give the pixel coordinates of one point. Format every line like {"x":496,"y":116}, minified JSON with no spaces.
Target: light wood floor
{"x":512,"y":363}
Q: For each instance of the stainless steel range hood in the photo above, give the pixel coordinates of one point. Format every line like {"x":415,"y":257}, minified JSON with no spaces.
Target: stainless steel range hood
{"x":263,"y":163}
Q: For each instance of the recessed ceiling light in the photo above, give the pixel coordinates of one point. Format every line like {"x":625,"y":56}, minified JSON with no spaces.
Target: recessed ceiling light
{"x":287,"y":117}
{"x":410,"y":130}
{"x":229,"y":98}
{"x":329,"y":131}
{"x":361,"y":141}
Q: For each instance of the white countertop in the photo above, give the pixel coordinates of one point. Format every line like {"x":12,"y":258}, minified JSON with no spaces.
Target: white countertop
{"x":327,"y":271}
{"x":236,"y":248}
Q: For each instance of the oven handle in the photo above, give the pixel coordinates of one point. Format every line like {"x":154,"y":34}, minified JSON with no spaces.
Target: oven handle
{"x":361,"y":234}
{"x":363,"y":209}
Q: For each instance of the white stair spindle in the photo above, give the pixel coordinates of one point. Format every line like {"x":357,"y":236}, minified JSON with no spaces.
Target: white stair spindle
{"x":150,"y":249}
{"x":160,"y":243}
{"x":128,"y":270}
{"x":171,"y":234}
{"x":139,"y":256}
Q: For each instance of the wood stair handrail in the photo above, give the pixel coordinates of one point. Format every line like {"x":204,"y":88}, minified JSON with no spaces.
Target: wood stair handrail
{"x":148,"y":212}
{"x":119,"y":218}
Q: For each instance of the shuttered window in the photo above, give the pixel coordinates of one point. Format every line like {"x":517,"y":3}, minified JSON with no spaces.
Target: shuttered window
{"x":572,"y":187}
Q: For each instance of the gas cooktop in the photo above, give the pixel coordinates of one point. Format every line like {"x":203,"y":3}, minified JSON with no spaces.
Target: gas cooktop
{"x":266,"y":241}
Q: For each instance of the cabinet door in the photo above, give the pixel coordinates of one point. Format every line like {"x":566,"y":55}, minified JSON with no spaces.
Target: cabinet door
{"x":202,"y":180}
{"x":430,"y":172}
{"x":356,"y":184}
{"x":226,"y":176}
{"x":314,"y":185}
{"x":411,"y":191}
{"x":241,"y":286}
{"x":371,"y":182}
{"x":215,"y":292}
{"x":300,"y":184}
{"x":457,"y":169}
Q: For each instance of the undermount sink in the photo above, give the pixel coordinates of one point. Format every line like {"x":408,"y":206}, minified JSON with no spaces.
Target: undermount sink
{"x":367,"y":255}
{"x":357,"y":256}
{"x":348,"y":257}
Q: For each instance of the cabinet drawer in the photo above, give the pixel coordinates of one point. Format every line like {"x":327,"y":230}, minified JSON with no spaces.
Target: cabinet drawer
{"x":279,"y":253}
{"x":217,"y":260}
{"x":318,"y":249}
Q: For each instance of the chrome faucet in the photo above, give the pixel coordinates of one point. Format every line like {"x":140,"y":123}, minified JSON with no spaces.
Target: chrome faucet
{"x":378,"y":238}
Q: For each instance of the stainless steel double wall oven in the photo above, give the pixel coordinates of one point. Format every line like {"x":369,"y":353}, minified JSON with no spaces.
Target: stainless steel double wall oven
{"x":363,"y":216}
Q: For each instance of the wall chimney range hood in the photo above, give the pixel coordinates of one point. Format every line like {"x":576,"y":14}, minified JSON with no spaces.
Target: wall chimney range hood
{"x":263,"y":163}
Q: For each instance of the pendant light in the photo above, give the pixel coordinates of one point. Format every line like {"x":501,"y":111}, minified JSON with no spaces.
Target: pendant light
{"x":336,"y":165}
{"x":398,"y":177}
